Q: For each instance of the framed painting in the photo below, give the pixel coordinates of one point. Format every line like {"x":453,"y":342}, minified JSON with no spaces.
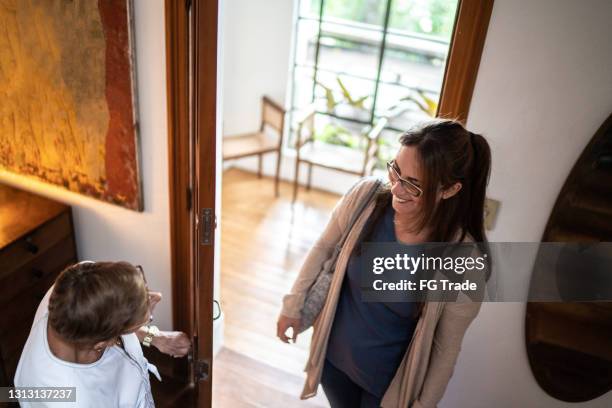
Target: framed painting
{"x":68,"y":113}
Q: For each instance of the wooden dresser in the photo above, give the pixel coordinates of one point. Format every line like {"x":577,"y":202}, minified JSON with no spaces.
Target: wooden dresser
{"x":36,"y":244}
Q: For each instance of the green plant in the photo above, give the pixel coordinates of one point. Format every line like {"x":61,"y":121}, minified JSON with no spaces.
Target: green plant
{"x":334,"y":133}
{"x":337,"y":135}
{"x":347,"y":97}
{"x":422,"y":101}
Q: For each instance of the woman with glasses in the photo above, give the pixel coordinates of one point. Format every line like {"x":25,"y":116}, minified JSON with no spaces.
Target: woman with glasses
{"x":372,"y":354}
{"x":86,"y":334}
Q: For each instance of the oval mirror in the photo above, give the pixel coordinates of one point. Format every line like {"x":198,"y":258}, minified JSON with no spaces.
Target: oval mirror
{"x":569,"y":345}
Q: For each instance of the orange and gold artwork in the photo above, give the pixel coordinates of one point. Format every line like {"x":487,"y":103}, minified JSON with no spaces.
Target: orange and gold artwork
{"x":67,"y":111}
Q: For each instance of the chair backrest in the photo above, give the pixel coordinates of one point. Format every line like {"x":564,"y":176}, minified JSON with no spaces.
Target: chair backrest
{"x":371,"y":151}
{"x":272,"y":114}
{"x":305,"y":127}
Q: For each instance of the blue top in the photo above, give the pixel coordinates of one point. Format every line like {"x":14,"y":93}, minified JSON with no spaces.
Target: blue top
{"x":368,"y":339}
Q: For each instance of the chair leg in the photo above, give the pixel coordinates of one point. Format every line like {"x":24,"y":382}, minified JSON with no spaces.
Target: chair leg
{"x":259,"y":165}
{"x":277,"y":176}
{"x":295,"y":180}
{"x":309,"y":183}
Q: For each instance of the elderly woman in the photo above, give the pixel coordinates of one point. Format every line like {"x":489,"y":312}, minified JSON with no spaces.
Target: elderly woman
{"x":372,"y":354}
{"x":87,"y":333}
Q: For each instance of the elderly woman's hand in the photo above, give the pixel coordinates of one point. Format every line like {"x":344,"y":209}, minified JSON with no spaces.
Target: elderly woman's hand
{"x":154,"y":299}
{"x":174,"y":343}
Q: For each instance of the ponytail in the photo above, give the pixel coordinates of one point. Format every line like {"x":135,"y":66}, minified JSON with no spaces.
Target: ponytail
{"x":481,"y":169}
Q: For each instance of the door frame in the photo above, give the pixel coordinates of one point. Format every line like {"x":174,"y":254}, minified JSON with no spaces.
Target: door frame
{"x":193,"y":263}
{"x":179,"y":176}
{"x":465,"y":51}
{"x":191,"y":63}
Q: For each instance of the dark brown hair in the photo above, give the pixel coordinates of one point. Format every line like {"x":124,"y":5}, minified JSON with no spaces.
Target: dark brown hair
{"x":97,"y":301}
{"x":448,"y":153}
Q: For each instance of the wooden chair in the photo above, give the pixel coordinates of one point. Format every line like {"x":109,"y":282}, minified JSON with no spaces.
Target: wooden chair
{"x":261,"y":142}
{"x":359,"y":162}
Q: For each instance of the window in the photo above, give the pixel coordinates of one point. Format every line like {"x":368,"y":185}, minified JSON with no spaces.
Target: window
{"x":360,"y":60}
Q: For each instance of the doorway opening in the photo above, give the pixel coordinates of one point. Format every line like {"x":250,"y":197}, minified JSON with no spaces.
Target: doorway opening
{"x":280,"y":88}
{"x":315,"y":94}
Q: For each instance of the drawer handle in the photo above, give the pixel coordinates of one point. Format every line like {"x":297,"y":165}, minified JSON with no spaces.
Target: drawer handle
{"x":30,"y":246}
{"x":38,"y":273}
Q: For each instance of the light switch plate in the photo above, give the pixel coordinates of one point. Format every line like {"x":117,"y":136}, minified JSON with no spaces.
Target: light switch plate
{"x":490,"y":213}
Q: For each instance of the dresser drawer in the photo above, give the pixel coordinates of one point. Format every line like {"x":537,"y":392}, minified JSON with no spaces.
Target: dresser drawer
{"x":30,"y":246}
{"x":36,"y":243}
{"x":24,"y":307}
{"x":16,"y":323}
{"x":49,"y":262}
{"x":12,"y":345}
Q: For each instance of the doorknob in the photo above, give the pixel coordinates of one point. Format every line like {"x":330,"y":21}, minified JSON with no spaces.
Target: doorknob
{"x":218,"y":314}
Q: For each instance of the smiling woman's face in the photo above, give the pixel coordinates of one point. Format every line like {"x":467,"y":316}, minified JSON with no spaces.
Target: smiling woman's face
{"x":408,"y":165}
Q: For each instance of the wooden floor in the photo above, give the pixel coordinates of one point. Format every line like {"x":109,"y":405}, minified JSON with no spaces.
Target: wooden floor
{"x":263,"y":243}
{"x":240,"y":381}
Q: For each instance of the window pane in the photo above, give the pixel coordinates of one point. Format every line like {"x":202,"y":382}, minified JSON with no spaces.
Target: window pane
{"x":390,"y":144}
{"x":310,"y":8}
{"x":388,"y":147}
{"x":302,"y":87}
{"x":430,"y":17}
{"x":329,"y":129}
{"x":417,"y":66}
{"x":350,"y":50}
{"x":306,"y":42}
{"x":416,"y":49}
{"x":354,"y":102}
{"x":401,"y":98}
{"x":404,"y":106}
{"x":370,"y":12}
{"x":414,"y":56}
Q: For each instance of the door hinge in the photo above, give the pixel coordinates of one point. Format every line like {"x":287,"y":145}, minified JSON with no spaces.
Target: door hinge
{"x":202,"y":370}
{"x":207,"y":225}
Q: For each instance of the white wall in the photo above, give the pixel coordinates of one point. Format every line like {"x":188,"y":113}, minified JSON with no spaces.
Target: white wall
{"x":256,"y":45}
{"x":108,"y":232}
{"x":543,"y":89}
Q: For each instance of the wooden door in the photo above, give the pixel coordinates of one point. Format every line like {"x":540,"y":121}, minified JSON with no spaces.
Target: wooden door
{"x":191,"y":53}
{"x":204,"y":16}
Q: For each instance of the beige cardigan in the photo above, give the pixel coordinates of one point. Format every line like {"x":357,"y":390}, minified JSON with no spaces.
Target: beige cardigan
{"x":428,"y":363}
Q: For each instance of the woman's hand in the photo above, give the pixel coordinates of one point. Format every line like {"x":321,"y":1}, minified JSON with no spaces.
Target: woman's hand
{"x":154,"y":299}
{"x":174,"y":343}
{"x":285,"y":323}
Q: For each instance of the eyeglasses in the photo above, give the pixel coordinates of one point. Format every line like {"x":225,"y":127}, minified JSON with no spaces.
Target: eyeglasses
{"x":141,"y":272}
{"x":407,"y":185}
